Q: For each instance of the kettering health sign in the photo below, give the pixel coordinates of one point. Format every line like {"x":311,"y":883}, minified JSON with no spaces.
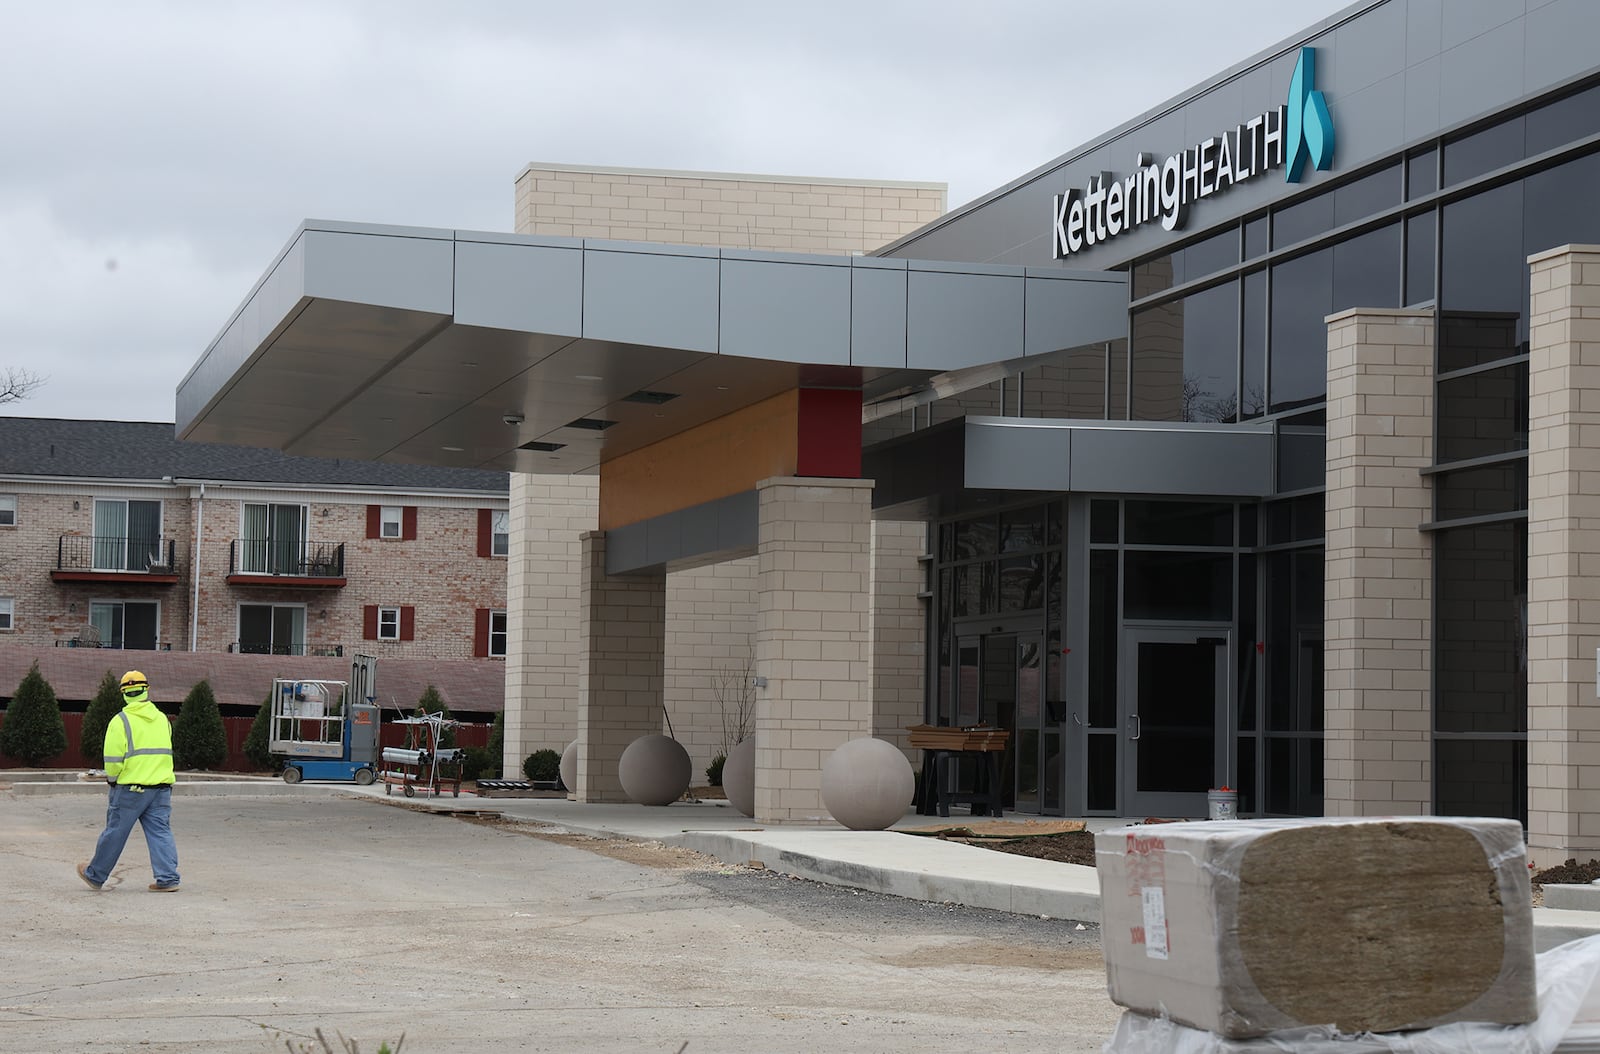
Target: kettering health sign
{"x":1288,"y":137}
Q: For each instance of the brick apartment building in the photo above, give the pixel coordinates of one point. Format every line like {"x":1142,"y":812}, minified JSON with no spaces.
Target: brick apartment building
{"x":116,"y":535}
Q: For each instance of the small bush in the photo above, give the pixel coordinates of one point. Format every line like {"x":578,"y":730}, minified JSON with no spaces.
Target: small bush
{"x":33,"y":728}
{"x":714,"y":770}
{"x":103,"y":708}
{"x":480,"y":764}
{"x":198,"y":739}
{"x":497,"y":740}
{"x":542,"y":765}
{"x":255,"y":744}
{"x":433,"y":703}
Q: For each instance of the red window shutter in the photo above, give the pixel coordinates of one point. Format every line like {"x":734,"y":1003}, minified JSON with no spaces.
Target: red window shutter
{"x":408,"y":524}
{"x":480,"y":634}
{"x":369,"y":622}
{"x":408,"y":623}
{"x":374,"y":521}
{"x":485,"y":532}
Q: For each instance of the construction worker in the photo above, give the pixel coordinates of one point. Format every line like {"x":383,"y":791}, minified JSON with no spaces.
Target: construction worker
{"x":138,"y":759}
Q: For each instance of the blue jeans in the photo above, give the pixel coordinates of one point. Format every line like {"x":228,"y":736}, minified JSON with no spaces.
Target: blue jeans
{"x":151,"y":808}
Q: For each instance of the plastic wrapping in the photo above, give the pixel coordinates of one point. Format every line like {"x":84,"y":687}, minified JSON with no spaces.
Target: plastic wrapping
{"x":1248,"y":927}
{"x":1568,"y":1023}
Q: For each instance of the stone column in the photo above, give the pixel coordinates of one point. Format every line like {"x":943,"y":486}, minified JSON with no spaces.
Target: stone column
{"x":621,"y":667}
{"x":548,"y":513}
{"x":814,"y":570}
{"x":1378,"y":625}
{"x":898,"y":625}
{"x":1564,"y":554}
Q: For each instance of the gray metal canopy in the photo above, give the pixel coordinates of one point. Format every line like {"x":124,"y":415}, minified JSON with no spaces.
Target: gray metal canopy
{"x":543,"y":354}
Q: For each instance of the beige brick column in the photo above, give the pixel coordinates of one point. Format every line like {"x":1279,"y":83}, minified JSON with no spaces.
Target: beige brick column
{"x":1377,"y":650}
{"x":621,"y":667}
{"x":814,"y":571}
{"x":548,"y":514}
{"x":897,"y":627}
{"x":1564,"y":554}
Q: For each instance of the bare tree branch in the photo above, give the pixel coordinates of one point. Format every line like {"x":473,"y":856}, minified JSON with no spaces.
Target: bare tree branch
{"x":16,"y":384}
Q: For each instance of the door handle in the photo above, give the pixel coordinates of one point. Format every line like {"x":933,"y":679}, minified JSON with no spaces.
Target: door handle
{"x":1076,"y":719}
{"x":1135,"y":719}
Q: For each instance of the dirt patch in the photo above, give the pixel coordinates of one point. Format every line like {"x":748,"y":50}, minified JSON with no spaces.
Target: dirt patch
{"x":996,"y":953}
{"x":981,"y":828}
{"x":1074,"y":847}
{"x":645,"y":854}
{"x":1569,"y":873}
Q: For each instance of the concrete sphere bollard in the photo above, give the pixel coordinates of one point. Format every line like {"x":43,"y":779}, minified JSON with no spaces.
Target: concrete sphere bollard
{"x":739,"y":776}
{"x":654,"y":770}
{"x":569,"y":767}
{"x":867,"y":784}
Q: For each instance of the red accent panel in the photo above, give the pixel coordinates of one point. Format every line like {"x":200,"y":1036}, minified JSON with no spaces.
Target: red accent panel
{"x":369,"y":622}
{"x":408,"y":623}
{"x":480,"y":634}
{"x":829,"y":443}
{"x":408,"y":523}
{"x":374,"y":521}
{"x":485,"y":532}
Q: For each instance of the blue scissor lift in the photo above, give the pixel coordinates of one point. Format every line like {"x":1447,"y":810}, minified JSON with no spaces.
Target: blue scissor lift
{"x":327,"y":730}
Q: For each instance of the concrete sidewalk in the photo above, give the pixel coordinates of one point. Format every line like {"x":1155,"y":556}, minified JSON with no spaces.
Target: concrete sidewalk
{"x":921,"y":868}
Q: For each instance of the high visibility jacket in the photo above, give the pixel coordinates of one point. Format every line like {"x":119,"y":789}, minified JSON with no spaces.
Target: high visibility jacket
{"x":139,"y":745}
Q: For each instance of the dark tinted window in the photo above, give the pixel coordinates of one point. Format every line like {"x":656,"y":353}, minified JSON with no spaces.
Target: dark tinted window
{"x":1422,"y":173}
{"x":1363,"y":197}
{"x":1185,"y":358}
{"x":1103,"y":639}
{"x":977,"y":538}
{"x":1302,"y":457}
{"x":1470,"y":339}
{"x":1559,"y":206}
{"x":1103,"y":521}
{"x":1302,"y":298}
{"x":1481,"y":414}
{"x":1482,"y":778}
{"x":1295,"y":520}
{"x":1483,"y":267}
{"x":1564,"y":121}
{"x":1420,"y":231}
{"x":1481,"y":675}
{"x":1257,"y":238}
{"x":1174,"y":585}
{"x":1253,"y":347}
{"x":1494,"y":147}
{"x":1178,"y":523}
{"x":1022,"y":529}
{"x":1204,"y":257}
{"x":1481,"y":491}
{"x":1366,"y":270}
{"x":1306,"y":219}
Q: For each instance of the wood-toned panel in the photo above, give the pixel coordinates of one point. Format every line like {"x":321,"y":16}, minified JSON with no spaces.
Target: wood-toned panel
{"x":721,"y":457}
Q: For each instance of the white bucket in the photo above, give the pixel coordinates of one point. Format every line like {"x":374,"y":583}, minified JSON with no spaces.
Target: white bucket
{"x":1222,"y":804}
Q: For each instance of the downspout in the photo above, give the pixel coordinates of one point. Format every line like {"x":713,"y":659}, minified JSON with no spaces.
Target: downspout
{"x":194,"y":604}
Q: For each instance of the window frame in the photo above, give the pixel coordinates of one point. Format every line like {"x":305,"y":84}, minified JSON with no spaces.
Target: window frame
{"x":8,"y":614}
{"x":393,"y":627}
{"x":501,"y":634}
{"x":398,"y":521}
{"x":500,"y":532}
{"x":8,"y":506}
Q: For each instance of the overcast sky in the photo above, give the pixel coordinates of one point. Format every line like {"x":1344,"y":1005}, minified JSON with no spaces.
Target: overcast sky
{"x":158,"y":155}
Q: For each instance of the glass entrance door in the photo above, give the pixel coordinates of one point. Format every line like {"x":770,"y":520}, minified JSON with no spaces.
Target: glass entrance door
{"x":1000,"y":683}
{"x":1174,"y":719}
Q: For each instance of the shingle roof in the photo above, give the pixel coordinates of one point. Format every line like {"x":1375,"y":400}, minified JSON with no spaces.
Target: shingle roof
{"x":42,"y":446}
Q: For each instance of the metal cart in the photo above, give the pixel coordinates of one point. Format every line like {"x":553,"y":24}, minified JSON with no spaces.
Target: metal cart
{"x":422,"y":762}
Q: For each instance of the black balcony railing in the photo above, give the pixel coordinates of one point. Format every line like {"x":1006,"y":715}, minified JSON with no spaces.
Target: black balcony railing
{"x":116,"y":554}
{"x":256,"y":556}
{"x":267,"y":647}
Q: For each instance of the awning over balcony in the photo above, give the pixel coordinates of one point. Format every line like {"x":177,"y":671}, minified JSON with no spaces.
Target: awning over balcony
{"x":546,"y":354}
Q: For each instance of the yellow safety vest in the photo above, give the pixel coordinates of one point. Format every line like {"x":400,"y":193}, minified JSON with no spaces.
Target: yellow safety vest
{"x":139,"y":745}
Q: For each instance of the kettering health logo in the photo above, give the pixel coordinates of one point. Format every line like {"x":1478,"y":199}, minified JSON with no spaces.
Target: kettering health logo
{"x":1289,"y":137}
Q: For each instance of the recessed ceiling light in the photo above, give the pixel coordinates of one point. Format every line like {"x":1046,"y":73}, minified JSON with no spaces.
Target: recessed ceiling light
{"x":592,"y":424}
{"x":424,"y":393}
{"x":589,"y":377}
{"x":541,"y":446}
{"x":469,"y":364}
{"x":644,"y":395}
{"x":454,"y":449}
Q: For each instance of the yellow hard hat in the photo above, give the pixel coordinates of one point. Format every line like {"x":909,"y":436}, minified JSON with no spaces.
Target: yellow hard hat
{"x":133,"y":680}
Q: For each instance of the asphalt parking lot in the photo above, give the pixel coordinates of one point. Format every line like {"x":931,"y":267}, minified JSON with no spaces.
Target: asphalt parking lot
{"x":372,"y":919}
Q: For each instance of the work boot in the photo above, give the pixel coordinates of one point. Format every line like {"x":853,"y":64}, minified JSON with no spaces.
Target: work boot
{"x":157,"y":887}
{"x":83,"y":873}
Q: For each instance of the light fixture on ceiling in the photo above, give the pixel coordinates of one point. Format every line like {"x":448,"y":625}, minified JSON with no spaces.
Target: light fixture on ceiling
{"x":453,"y":449}
{"x":589,"y":377}
{"x":512,"y":418}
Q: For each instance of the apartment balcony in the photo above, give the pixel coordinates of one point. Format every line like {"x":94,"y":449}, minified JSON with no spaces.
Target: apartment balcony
{"x":285,"y":565}
{"x":103,"y":559}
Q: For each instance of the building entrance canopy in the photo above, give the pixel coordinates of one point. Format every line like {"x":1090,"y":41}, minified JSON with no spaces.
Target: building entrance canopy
{"x":550,"y":355}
